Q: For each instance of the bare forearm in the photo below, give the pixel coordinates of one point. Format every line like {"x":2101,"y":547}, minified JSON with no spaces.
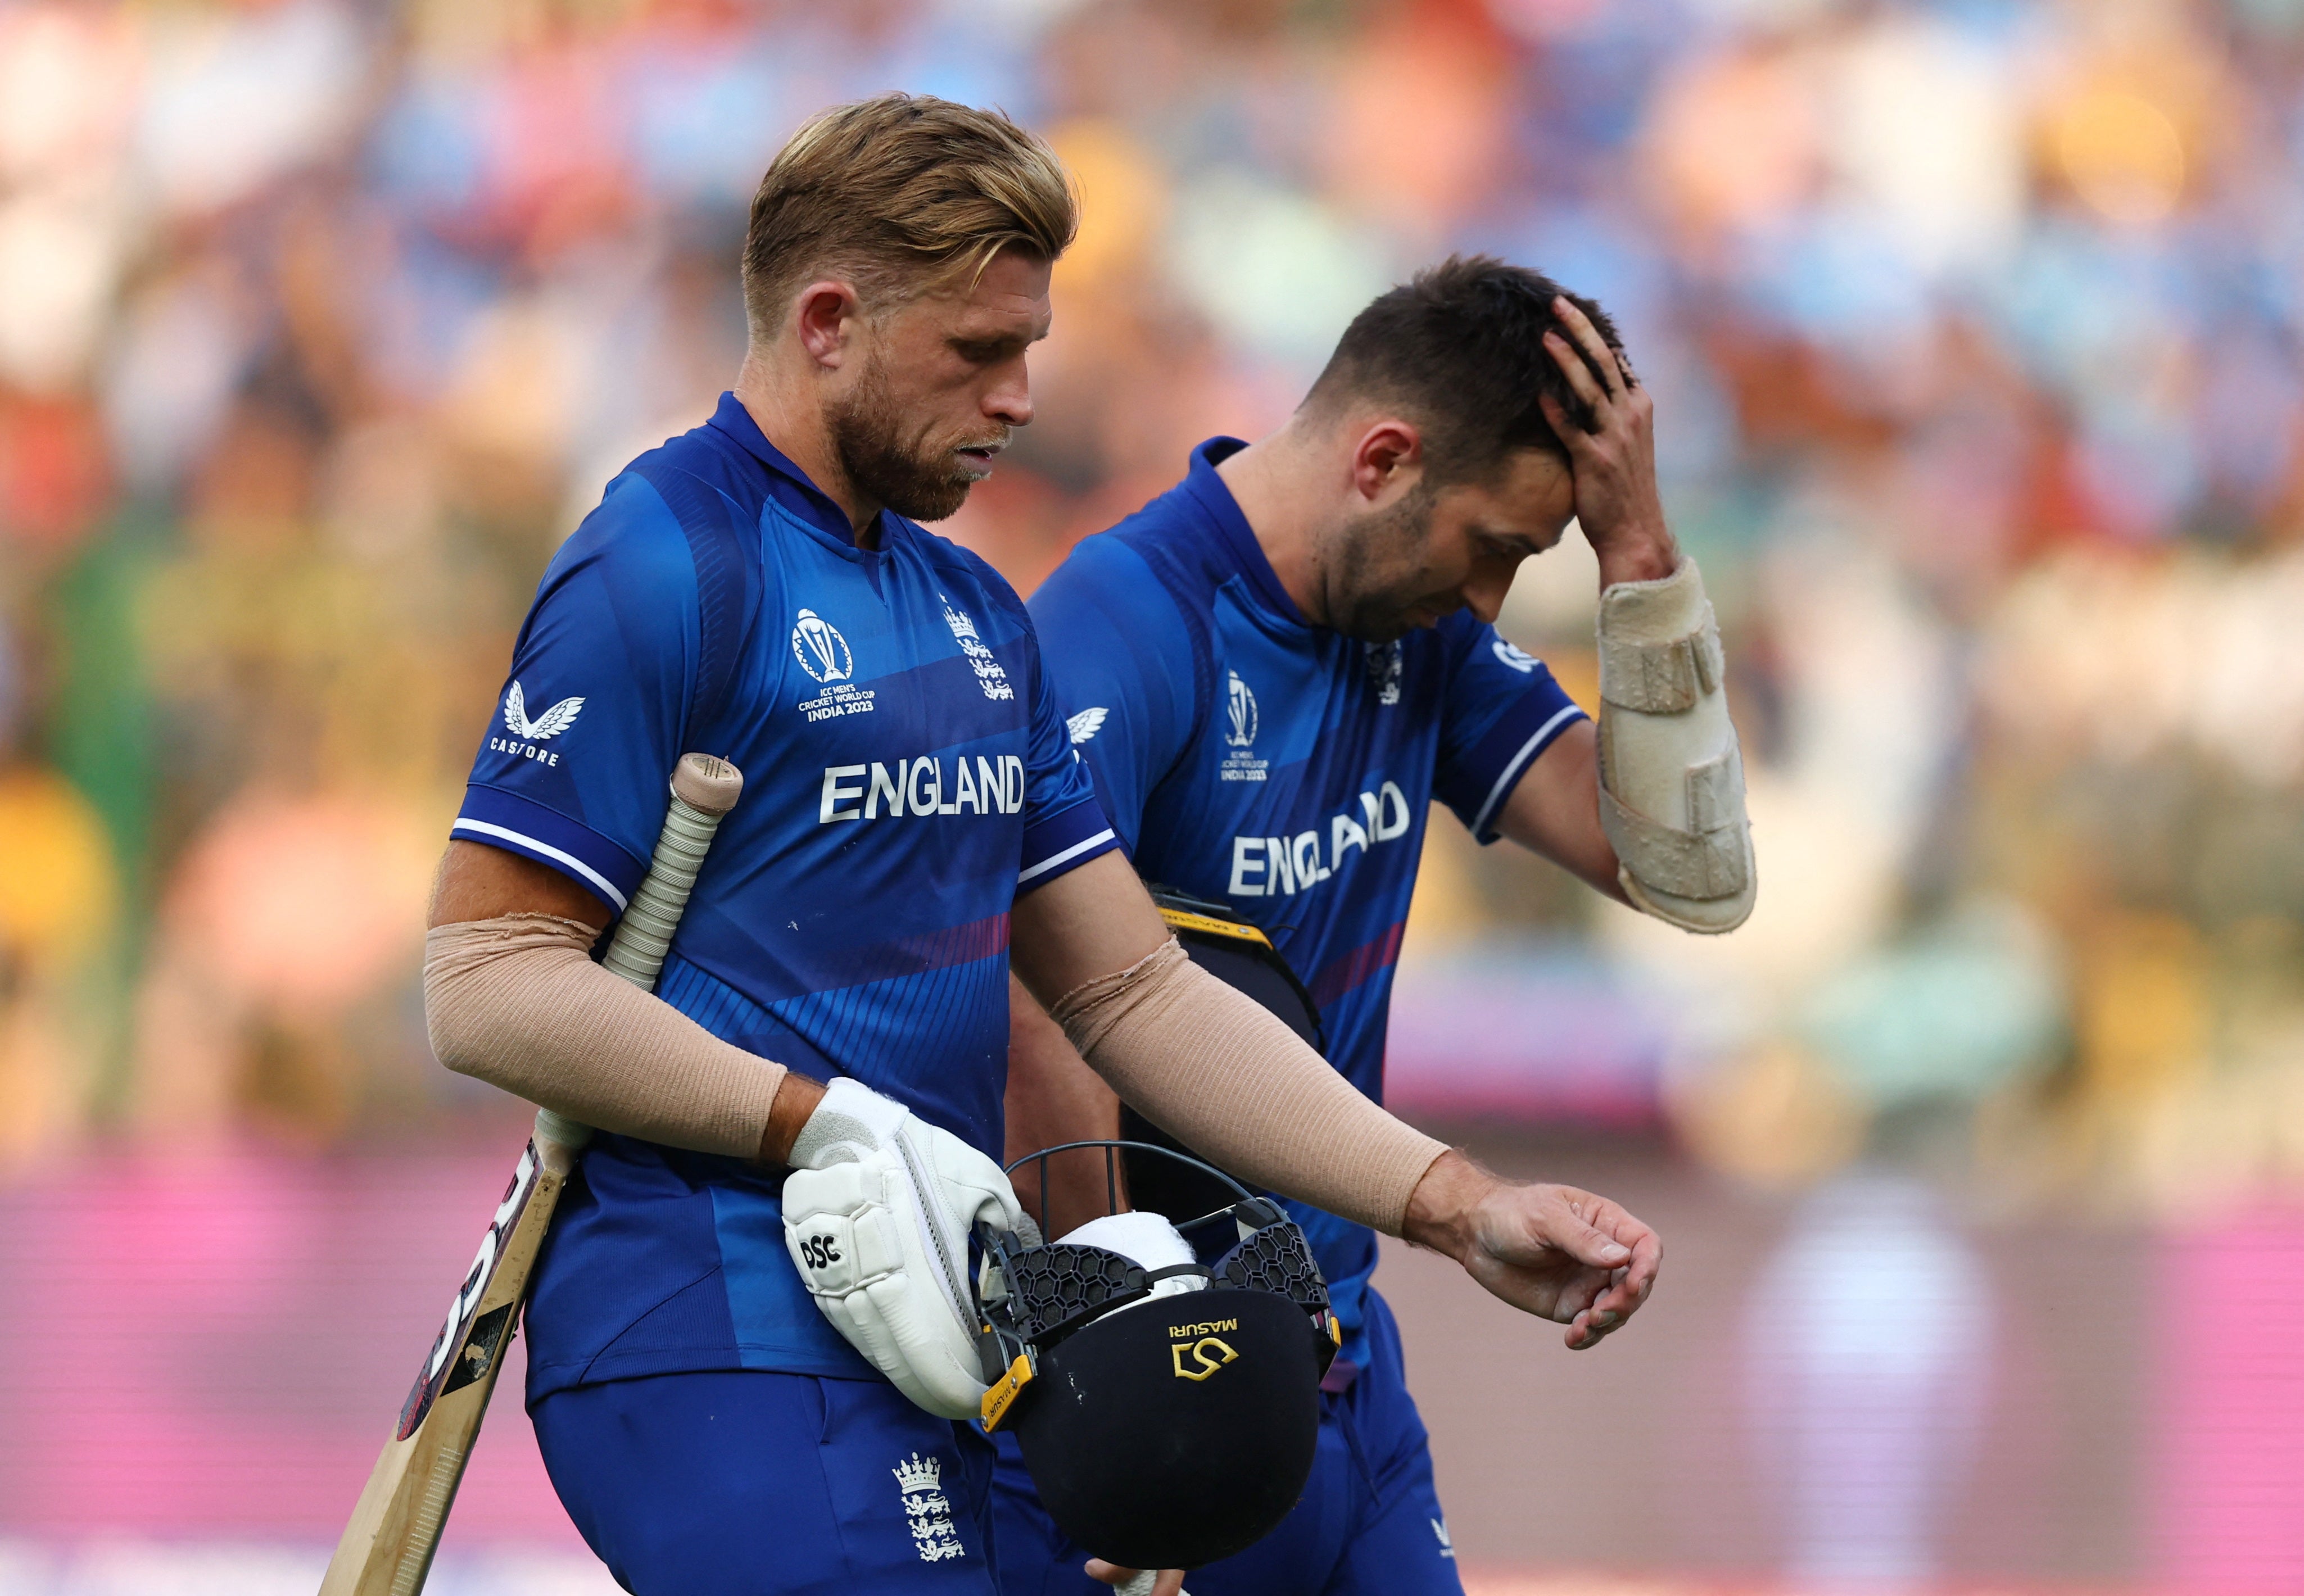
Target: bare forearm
{"x":1644,"y":553}
{"x":1053,"y":1098}
{"x":1087,"y":922}
{"x":1440,"y":1210}
{"x":1555,"y":811}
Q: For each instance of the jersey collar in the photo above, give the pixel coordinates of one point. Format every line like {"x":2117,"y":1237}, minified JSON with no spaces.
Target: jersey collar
{"x":1208,"y":491}
{"x":788,"y":485}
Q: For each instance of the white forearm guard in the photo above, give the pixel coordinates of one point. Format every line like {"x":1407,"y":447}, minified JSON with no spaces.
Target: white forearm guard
{"x":1672,"y":778}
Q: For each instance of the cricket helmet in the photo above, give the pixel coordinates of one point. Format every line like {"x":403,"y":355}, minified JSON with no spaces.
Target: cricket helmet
{"x":1167,"y":1409}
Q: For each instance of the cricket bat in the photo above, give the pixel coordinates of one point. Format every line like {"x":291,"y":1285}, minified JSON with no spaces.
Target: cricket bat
{"x":387,"y":1548}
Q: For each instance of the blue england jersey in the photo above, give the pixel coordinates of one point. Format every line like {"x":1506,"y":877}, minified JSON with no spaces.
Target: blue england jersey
{"x":1248,"y":756}
{"x":906,"y":774}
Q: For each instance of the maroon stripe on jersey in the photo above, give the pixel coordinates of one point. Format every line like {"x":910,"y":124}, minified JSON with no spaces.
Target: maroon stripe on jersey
{"x":955,"y":944}
{"x":1341,"y":975}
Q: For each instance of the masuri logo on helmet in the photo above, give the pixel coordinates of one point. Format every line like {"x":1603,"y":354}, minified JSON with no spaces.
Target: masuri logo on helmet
{"x":1208,"y":1353}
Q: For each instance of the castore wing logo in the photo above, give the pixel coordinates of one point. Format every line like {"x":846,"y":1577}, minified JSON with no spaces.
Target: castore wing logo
{"x":1087,"y":723}
{"x":820,"y":649}
{"x":550,"y":724}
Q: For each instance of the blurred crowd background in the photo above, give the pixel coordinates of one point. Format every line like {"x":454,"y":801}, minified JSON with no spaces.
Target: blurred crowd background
{"x":1974,"y":329}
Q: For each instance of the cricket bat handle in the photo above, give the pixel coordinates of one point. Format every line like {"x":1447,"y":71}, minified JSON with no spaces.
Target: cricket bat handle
{"x":704,"y":788}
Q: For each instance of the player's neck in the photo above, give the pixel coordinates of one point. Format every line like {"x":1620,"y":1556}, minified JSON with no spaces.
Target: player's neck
{"x":1276,"y":483}
{"x":795,"y":423}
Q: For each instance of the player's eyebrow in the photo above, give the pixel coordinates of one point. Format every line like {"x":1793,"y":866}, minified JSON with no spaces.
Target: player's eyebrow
{"x":1002,"y":336}
{"x":1527,"y":541}
{"x":990,"y":347}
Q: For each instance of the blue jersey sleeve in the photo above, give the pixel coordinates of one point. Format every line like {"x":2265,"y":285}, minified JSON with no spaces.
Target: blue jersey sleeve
{"x":1064,"y":826}
{"x":1503,"y":709}
{"x":1123,"y":661}
{"x":573,"y":770}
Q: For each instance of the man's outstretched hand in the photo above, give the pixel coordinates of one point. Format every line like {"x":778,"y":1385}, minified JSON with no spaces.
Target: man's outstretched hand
{"x":1554,"y":1251}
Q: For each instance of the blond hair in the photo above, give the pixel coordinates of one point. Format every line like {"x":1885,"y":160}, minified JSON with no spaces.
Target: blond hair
{"x":900,"y":193}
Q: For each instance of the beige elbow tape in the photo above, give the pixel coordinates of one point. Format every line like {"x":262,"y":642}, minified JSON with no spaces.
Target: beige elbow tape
{"x":1672,"y":775}
{"x":1218,"y":1070}
{"x":518,"y":1003}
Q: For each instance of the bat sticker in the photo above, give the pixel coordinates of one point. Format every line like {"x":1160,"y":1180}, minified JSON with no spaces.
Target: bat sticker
{"x":490,"y":1331}
{"x":441,"y":1366}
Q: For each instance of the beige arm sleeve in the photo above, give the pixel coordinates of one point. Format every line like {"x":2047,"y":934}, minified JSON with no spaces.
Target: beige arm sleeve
{"x":1216,"y":1070}
{"x":518,"y":1003}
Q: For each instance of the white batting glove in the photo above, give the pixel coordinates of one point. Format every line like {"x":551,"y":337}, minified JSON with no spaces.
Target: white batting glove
{"x":877,"y":1211}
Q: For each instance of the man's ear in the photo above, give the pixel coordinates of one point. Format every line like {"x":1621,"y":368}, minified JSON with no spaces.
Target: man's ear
{"x":827,"y":316}
{"x":1388,"y":456}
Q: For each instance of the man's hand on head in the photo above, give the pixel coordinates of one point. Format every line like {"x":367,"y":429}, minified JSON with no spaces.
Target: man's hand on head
{"x":1553,"y":1250}
{"x":1614,"y":461}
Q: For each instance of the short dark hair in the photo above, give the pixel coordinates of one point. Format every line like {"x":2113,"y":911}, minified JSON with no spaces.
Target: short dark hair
{"x":1459,"y":348}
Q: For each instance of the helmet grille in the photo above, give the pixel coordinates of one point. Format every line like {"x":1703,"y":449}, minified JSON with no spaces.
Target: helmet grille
{"x":1277,"y":1259}
{"x":1055,"y":1287}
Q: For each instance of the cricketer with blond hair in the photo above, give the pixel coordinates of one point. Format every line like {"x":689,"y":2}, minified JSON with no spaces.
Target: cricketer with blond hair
{"x":725,"y":1401}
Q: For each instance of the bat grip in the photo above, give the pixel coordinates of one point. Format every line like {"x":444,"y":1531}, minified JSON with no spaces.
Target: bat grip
{"x":558,"y":1127}
{"x":644,"y":935}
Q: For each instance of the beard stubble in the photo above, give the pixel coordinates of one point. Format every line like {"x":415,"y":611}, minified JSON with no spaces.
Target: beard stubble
{"x":1375,"y":570}
{"x":867,"y":440}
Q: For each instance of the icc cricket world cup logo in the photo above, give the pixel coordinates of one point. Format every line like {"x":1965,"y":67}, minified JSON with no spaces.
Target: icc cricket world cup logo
{"x":1239,"y":707}
{"x":820,"y":649}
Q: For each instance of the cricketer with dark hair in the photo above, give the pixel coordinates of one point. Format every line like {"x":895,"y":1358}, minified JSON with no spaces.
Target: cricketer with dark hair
{"x":1276,"y":666}
{"x":733,"y":1393}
